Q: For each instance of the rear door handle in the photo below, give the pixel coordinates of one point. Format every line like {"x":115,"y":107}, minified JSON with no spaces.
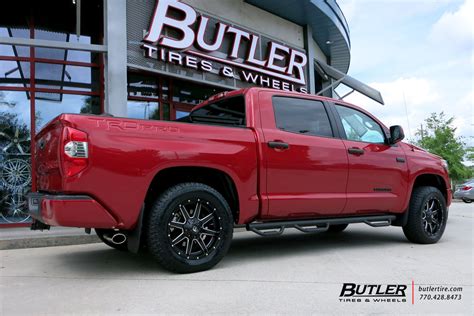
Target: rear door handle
{"x":355,"y":151}
{"x":278,"y":145}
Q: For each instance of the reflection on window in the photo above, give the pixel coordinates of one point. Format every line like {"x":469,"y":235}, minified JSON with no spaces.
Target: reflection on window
{"x":143,"y":110}
{"x":15,"y":170}
{"x":181,"y":114}
{"x":48,"y":110}
{"x":14,"y":73}
{"x":142,"y":86}
{"x":226,"y":112}
{"x":191,"y":93}
{"x":302,"y":116}
{"x":360,"y":127}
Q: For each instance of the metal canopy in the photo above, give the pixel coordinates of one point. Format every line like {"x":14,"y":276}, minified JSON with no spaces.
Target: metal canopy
{"x":327,"y":72}
{"x":330,"y":29}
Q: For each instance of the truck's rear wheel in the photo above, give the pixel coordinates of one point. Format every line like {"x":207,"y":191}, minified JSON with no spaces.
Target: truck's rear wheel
{"x":189,"y":228}
{"x":427,"y":216}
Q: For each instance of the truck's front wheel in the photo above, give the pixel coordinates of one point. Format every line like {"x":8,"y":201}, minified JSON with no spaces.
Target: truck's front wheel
{"x":427,"y":216}
{"x":189,"y":228}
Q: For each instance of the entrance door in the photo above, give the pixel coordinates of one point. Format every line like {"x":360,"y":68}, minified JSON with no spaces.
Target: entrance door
{"x":306,"y":166}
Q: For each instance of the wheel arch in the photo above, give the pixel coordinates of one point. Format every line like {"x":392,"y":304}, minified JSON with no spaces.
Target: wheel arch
{"x":433,"y":180}
{"x":422,"y":179}
{"x":219,"y":180}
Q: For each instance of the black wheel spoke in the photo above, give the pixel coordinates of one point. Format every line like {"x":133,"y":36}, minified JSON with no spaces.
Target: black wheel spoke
{"x":202,"y":244}
{"x":194,"y":229}
{"x":185,"y":213}
{"x":189,"y":246}
{"x":178,"y":225}
{"x":197,"y":210}
{"x":432,"y":216}
{"x":206,"y":219}
{"x":209,"y":232}
{"x":178,"y":239}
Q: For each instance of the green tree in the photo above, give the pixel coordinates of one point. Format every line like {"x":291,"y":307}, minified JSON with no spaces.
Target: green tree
{"x":439,"y":138}
{"x":91,"y":105}
{"x":470,"y":153}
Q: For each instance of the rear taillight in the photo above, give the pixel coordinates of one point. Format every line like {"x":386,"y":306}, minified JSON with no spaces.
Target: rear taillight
{"x":466,"y":188}
{"x":75,"y":151}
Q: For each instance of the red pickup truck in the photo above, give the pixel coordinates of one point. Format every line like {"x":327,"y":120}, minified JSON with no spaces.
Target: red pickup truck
{"x":264,"y":158}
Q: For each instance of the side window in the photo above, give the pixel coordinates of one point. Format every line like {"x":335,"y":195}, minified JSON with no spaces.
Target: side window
{"x":301,"y":116}
{"x":360,"y":127}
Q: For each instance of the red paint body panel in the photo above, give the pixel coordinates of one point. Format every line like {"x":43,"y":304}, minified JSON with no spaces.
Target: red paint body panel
{"x":306,"y":180}
{"x":315,"y":177}
{"x":76,"y":213}
{"x":372,"y":173}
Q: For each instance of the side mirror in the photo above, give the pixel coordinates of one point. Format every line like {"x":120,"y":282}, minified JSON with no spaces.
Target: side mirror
{"x":396,"y":134}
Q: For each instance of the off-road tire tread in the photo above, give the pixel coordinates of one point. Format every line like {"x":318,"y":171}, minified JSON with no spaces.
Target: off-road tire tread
{"x":158,"y":248}
{"x":413,"y":230}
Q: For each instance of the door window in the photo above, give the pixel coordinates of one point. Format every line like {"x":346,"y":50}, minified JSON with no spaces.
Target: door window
{"x":301,"y":116}
{"x":360,"y":127}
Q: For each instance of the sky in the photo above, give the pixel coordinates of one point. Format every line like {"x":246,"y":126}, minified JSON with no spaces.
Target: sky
{"x":419,"y":55}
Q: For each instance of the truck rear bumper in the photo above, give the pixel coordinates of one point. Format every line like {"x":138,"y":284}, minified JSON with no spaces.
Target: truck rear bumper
{"x":69,"y":210}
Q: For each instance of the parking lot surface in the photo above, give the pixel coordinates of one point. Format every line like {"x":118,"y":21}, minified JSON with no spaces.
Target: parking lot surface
{"x":294,"y":273}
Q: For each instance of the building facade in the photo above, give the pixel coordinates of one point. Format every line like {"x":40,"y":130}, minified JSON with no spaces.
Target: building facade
{"x":149,"y":59}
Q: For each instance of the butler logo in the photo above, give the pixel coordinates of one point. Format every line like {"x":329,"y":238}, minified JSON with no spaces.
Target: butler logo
{"x":282,"y":68}
{"x":352,"y":292}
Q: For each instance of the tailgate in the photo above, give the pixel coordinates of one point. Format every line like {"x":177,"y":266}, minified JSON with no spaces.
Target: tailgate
{"x":47,"y":157}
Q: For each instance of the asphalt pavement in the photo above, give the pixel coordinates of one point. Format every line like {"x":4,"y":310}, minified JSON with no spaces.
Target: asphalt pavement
{"x":294,"y":274}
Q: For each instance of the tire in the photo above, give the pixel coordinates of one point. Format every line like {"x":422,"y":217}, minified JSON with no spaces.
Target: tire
{"x":337,"y":228}
{"x":102,"y":233}
{"x":467,"y":200}
{"x":183,"y":239}
{"x":427,"y":216}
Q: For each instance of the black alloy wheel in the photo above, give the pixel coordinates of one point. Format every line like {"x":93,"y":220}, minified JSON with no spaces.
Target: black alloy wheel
{"x":189,"y":228}
{"x":194,"y":229}
{"x":432,"y":216}
{"x":427,"y":216}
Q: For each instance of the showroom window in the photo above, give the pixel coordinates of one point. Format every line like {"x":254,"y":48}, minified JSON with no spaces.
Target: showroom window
{"x":149,"y":96}
{"x":39,"y":83}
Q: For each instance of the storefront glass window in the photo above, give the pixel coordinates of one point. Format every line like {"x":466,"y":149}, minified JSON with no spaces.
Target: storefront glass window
{"x":149,"y":96}
{"x":15,"y":171}
{"x":143,"y":110}
{"x":65,"y":81}
{"x":192,"y":93}
{"x":46,"y":110}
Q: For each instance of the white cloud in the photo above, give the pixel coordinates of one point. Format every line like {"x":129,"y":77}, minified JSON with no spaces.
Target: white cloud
{"x":409,"y":101}
{"x":455,"y":29}
{"x":419,"y":55}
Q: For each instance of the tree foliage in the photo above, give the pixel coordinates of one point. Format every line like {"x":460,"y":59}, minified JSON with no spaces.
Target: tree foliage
{"x":438,"y":137}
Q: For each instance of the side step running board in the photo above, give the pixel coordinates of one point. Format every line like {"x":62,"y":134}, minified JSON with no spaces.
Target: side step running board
{"x":317,"y":225}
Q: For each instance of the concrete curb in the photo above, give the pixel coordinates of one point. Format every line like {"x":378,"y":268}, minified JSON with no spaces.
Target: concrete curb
{"x":52,"y":239}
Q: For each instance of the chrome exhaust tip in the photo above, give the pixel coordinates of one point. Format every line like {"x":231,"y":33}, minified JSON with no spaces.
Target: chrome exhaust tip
{"x":117,"y":238}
